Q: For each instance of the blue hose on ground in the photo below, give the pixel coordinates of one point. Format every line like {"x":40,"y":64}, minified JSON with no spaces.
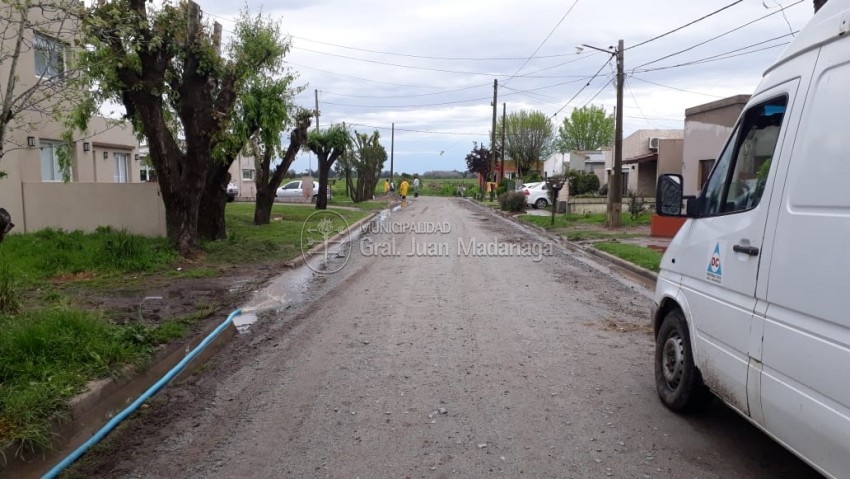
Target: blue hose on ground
{"x":100,"y":434}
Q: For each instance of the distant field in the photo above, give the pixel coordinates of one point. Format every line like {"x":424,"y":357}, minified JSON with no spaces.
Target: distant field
{"x":430,"y":187}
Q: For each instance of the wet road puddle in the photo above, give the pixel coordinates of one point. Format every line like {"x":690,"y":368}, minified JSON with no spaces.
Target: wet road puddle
{"x":291,"y":286}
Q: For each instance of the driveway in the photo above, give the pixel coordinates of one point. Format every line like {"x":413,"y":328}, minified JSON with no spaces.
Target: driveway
{"x":440,"y":365}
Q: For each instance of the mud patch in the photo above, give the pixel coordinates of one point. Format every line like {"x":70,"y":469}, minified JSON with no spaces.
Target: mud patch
{"x":157,"y":299}
{"x":626,"y":327}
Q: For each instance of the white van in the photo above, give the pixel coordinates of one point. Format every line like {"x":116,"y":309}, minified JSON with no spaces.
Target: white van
{"x":753,"y":298}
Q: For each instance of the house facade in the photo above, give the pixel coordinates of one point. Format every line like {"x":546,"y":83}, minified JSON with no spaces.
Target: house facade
{"x":647,"y":154}
{"x":556,"y":164}
{"x":243,"y":174}
{"x":707,"y":127}
{"x":106,"y":155}
{"x":590,"y":161}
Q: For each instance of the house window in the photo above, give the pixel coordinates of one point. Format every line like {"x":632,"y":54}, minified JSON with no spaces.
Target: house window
{"x":705,"y":167}
{"x":50,"y":170}
{"x":49,"y":57}
{"x":146,"y":173}
{"x":122,"y":167}
{"x":248,"y":175}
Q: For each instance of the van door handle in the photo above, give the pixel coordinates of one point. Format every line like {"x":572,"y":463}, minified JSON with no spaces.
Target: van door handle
{"x":750,"y":250}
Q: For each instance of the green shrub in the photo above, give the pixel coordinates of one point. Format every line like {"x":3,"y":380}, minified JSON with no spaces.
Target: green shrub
{"x":582,"y":183}
{"x":513,"y":201}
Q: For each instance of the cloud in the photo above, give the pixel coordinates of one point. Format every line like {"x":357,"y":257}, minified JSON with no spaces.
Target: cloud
{"x":429,"y":66}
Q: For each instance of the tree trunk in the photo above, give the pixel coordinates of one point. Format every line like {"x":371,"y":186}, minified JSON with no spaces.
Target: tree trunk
{"x":6,"y":224}
{"x":324,"y":173}
{"x":181,"y":222}
{"x":211,"y":225}
{"x":264,"y":203}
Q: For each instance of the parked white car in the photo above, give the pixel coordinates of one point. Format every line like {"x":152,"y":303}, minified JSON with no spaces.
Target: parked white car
{"x":536,"y":194}
{"x":232,"y":191}
{"x":293,"y":189}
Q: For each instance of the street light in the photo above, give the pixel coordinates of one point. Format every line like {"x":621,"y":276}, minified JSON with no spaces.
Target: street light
{"x":615,"y":186}
{"x":555,"y":184}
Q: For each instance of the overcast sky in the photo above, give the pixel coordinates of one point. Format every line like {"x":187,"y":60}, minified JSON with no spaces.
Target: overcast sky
{"x":429,"y":66}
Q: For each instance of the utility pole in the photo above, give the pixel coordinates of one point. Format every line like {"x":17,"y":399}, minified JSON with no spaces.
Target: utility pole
{"x":615,"y":179}
{"x":392,"y":151}
{"x":504,"y":109}
{"x":317,"y":110}
{"x":493,"y":132}
{"x":310,"y":155}
{"x":615,"y":188}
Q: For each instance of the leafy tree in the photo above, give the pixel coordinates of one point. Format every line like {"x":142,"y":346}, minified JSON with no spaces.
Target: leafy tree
{"x":587,"y":128}
{"x":263,"y":110}
{"x":328,"y":145}
{"x":528,"y":138}
{"x":264,"y":146}
{"x":478,"y":160}
{"x":163,"y":65}
{"x":368,"y":157}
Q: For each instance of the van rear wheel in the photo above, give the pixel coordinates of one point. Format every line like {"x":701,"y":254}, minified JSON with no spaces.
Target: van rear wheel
{"x":677,"y":379}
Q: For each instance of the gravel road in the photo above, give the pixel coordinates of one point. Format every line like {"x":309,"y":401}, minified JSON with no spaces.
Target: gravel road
{"x":438,"y":366}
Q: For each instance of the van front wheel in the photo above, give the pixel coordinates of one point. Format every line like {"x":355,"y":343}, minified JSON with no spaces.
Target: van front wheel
{"x":678,"y":381}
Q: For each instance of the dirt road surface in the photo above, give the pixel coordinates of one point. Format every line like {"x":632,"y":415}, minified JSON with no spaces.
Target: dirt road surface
{"x":439,"y":366}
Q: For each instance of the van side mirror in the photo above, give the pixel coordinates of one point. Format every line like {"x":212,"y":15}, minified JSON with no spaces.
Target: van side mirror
{"x":668,"y":195}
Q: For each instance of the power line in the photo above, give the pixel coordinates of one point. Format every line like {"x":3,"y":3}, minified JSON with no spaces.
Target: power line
{"x":441,"y":70}
{"x":703,"y":60}
{"x":443,"y":92}
{"x":685,"y":25}
{"x":426,"y":57}
{"x":582,"y":89}
{"x":711,"y":59}
{"x":378,"y":62}
{"x":359,"y":78}
{"x":636,"y":102}
{"x":610,"y":80}
{"x":543,"y":42}
{"x":471,"y":100}
{"x":529,"y":75}
{"x":716,"y":36}
{"x":673,"y":88}
{"x":417,"y":131}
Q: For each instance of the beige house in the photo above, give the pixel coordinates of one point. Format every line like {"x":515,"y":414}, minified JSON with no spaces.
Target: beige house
{"x":242,"y":173}
{"x":647,"y":154}
{"x":104,"y":186}
{"x":707,"y":127}
{"x":590,"y":161}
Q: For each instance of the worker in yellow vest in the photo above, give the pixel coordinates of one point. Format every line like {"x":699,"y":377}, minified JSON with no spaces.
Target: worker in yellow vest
{"x":403,"y":189}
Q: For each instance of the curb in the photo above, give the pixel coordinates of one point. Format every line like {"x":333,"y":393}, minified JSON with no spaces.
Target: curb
{"x":300,"y":260}
{"x":90,"y":410}
{"x":631,"y":267}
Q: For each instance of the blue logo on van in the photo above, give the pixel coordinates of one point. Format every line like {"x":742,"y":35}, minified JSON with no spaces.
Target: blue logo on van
{"x":714,"y":272}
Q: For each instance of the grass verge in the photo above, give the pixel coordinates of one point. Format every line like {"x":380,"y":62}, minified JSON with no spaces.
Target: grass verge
{"x":48,"y":355}
{"x":570,"y":220}
{"x":278,"y":241}
{"x":639,"y":255}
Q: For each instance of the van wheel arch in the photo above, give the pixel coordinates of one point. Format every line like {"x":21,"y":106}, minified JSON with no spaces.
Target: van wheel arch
{"x":667,"y":305}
